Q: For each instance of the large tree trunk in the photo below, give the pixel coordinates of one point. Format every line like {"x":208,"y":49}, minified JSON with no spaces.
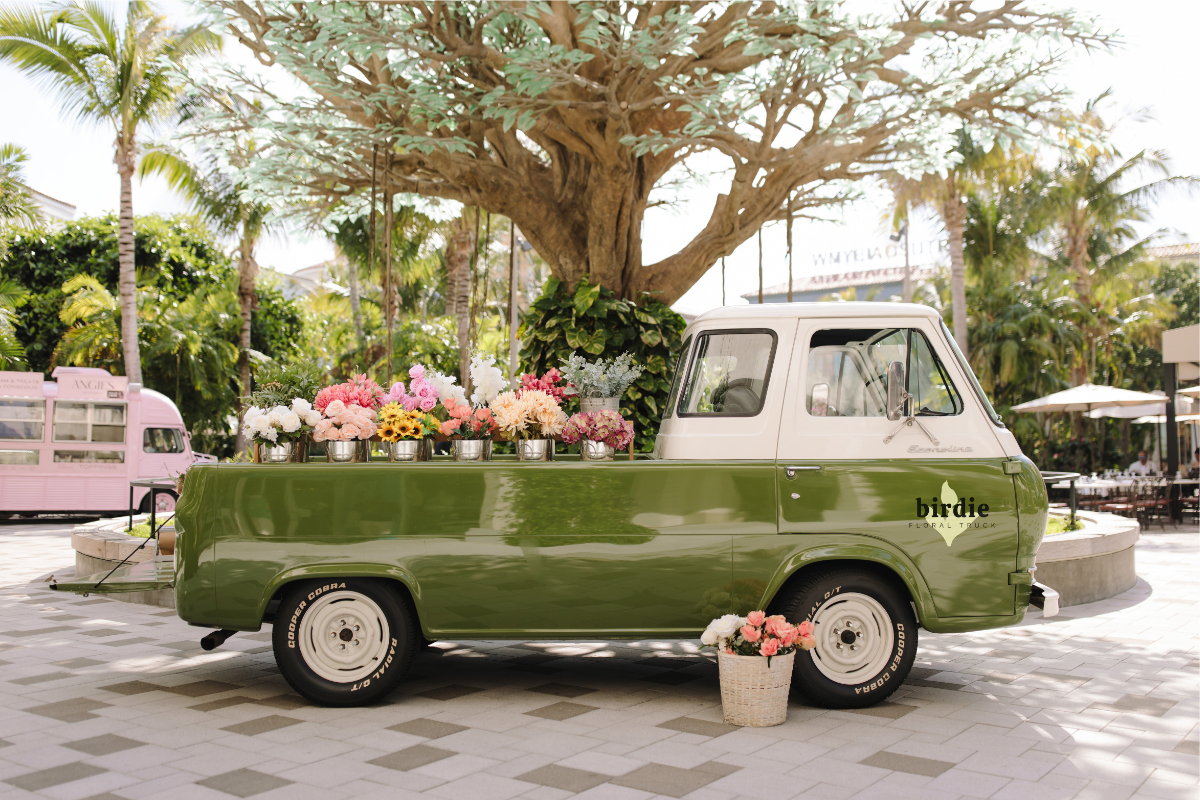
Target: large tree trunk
{"x":458,"y":288}
{"x":954,"y":214}
{"x":247,"y":294}
{"x":127,"y":282}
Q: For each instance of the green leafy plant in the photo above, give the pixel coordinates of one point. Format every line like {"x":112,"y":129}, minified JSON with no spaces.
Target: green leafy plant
{"x":594,"y":320}
{"x":277,"y":383}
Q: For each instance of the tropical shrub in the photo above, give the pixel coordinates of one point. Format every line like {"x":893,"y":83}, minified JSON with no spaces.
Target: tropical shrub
{"x":592,"y":320}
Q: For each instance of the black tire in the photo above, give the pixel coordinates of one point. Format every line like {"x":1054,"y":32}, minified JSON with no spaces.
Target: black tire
{"x":387,"y":632}
{"x":886,"y":631}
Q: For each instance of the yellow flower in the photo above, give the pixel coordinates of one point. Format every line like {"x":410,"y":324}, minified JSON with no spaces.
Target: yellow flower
{"x":406,"y":430}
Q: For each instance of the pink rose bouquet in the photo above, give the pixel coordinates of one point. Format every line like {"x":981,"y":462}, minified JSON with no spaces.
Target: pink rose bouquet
{"x":344,"y":423}
{"x":359,"y":390}
{"x":421,"y":395}
{"x":756,"y":634}
{"x":548,"y":383}
{"x":599,"y":426}
{"x":467,"y":422}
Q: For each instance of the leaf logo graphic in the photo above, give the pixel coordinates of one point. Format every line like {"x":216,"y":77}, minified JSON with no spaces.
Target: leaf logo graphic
{"x":950,"y":526}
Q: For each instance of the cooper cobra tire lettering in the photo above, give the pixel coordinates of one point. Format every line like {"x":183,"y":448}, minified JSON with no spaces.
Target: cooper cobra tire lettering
{"x":388,"y":659}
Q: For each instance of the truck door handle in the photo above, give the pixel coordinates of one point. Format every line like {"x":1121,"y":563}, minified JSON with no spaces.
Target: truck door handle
{"x":791,"y":471}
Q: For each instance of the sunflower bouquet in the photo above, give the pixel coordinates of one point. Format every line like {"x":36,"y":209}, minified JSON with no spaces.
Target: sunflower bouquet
{"x":397,"y":424}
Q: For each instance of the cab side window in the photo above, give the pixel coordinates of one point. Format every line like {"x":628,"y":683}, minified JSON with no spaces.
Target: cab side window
{"x":847,"y":373}
{"x":728,"y":373}
{"x":162,"y":440}
{"x":847,"y":370}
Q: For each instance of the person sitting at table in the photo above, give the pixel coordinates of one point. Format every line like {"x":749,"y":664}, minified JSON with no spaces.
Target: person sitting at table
{"x":1142,"y":466}
{"x":1194,"y":467}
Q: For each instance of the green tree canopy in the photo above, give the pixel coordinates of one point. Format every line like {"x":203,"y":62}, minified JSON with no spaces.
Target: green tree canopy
{"x":565,"y":117}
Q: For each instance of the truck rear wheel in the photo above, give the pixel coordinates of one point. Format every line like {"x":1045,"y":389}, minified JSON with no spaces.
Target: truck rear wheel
{"x":866,"y":636}
{"x":344,"y":642}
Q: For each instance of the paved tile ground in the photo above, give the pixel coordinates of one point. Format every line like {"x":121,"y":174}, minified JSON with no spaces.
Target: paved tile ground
{"x":101,"y":699}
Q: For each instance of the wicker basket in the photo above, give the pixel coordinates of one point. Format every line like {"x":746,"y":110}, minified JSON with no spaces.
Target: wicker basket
{"x":754,"y":695}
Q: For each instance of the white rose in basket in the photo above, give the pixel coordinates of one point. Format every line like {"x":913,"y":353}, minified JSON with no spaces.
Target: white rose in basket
{"x":290,"y":422}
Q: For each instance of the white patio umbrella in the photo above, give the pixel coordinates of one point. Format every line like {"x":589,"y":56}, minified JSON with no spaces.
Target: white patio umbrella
{"x":1192,"y":390}
{"x":1087,"y":397}
{"x":1162,"y":418}
{"x":1132,"y":412}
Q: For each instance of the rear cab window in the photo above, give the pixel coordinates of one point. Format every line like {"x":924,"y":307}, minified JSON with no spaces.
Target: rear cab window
{"x":728,"y":373}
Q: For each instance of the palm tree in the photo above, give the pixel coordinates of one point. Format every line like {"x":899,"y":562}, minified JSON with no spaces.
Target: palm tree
{"x":111,"y":73}
{"x":947,"y":195}
{"x":217,"y":198}
{"x":12,"y":354}
{"x":17,"y":208}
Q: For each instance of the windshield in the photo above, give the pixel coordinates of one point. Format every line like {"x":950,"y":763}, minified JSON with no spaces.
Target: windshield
{"x":962,"y":362}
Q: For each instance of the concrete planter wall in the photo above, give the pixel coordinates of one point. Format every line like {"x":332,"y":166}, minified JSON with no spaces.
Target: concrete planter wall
{"x":100,"y":546}
{"x":1090,"y":564}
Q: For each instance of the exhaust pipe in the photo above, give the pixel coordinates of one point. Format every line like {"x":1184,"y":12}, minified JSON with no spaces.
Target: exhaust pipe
{"x":215,"y":639}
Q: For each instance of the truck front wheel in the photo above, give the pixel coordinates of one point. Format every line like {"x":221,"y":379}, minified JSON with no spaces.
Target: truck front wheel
{"x":344,"y":642}
{"x":866,"y":636}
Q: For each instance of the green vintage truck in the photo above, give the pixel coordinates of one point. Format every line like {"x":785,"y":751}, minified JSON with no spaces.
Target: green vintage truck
{"x":832,"y":462}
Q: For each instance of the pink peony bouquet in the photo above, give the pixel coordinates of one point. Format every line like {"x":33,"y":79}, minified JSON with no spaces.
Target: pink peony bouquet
{"x":548,"y":383}
{"x":756,"y":634}
{"x":421,"y":395}
{"x":359,"y":390}
{"x":529,"y":414}
{"x":599,"y":426}
{"x":467,"y":422}
{"x":344,"y":423}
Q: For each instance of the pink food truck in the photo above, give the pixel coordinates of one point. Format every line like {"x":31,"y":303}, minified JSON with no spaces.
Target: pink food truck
{"x":73,"y":444}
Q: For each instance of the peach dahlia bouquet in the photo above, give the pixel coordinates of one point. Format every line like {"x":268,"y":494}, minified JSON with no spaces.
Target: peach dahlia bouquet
{"x":530,"y":414}
{"x":756,"y":634}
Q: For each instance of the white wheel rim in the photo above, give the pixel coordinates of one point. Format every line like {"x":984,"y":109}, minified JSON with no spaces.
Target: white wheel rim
{"x":874,"y":637}
{"x":344,"y":637}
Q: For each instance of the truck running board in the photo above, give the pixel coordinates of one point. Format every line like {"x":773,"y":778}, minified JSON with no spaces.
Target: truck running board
{"x":1044,"y":598}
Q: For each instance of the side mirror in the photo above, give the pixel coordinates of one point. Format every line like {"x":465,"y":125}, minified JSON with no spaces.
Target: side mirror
{"x":819,"y":405}
{"x":896,"y":395}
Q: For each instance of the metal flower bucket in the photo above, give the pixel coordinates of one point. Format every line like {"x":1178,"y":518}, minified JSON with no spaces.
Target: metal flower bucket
{"x":535,"y":449}
{"x":409,"y":450}
{"x":471,"y":449}
{"x":589,"y":404}
{"x":277,"y":453}
{"x":343,"y":452}
{"x":595,"y":451}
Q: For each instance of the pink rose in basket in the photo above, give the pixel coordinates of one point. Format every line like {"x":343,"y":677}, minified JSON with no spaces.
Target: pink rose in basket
{"x":805,"y":628}
{"x":755,"y":618}
{"x":769,"y":648}
{"x":777,"y":626}
{"x":750,"y":634}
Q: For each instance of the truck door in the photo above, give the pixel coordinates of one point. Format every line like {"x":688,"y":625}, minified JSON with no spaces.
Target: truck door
{"x":931,"y":484}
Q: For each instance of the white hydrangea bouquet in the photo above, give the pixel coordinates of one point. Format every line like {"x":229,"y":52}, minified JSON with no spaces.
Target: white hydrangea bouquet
{"x":600,"y":378}
{"x":280,"y":424}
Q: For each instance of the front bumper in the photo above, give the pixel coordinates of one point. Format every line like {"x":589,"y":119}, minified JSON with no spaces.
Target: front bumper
{"x":1044,"y":598}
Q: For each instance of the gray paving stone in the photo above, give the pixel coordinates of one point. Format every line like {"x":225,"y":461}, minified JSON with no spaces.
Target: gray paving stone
{"x":560,"y":711}
{"x":76,"y":710}
{"x":261,"y":725}
{"x":673,"y":781}
{"x":561,"y":690}
{"x":244,"y":782}
{"x":200,"y":688}
{"x":451,"y":692}
{"x":35,"y":679}
{"x":565,"y":778}
{"x":428,"y":728}
{"x":104,"y":745}
{"x":700,"y":727}
{"x":37,"y":631}
{"x":412,"y":757}
{"x":79,"y":663}
{"x":1137,"y":704}
{"x":55,"y":776}
{"x":914,"y":765}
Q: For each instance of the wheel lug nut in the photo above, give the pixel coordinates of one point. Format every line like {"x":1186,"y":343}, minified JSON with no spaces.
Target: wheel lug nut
{"x":356,"y":627}
{"x":356,"y":642}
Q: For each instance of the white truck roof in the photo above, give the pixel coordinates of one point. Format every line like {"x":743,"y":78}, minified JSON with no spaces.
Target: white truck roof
{"x":823,"y":310}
